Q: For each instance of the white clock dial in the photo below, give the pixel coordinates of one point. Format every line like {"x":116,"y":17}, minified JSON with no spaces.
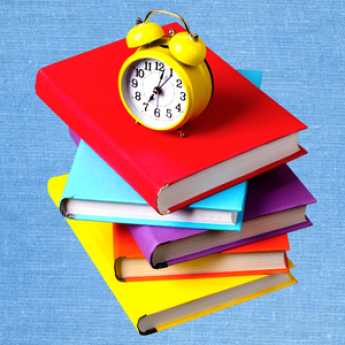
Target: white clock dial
{"x":155,"y":93}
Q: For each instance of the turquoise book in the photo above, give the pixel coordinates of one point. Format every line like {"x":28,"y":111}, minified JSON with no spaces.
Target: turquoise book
{"x":95,"y":192}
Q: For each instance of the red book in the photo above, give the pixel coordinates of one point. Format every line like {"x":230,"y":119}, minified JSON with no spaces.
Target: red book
{"x":259,"y":258}
{"x":242,"y":133}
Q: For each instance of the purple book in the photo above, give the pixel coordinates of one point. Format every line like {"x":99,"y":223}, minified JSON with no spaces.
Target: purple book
{"x":276,"y":204}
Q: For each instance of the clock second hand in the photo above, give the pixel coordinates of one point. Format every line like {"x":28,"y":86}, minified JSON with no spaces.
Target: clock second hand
{"x":160,"y":89}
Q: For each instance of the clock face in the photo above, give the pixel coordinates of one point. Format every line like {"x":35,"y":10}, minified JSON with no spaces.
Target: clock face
{"x":155,"y":93}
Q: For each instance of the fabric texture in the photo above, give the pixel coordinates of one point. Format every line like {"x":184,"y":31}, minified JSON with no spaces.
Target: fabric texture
{"x":50,"y":292}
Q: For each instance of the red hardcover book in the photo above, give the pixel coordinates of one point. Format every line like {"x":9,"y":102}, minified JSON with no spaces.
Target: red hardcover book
{"x":242,"y":133}
{"x":259,"y":258}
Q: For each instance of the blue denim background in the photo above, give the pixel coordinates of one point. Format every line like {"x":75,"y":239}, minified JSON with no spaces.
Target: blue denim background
{"x":50,"y":292}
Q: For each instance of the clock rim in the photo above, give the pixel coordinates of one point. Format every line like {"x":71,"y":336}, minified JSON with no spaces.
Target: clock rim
{"x":168,"y":59}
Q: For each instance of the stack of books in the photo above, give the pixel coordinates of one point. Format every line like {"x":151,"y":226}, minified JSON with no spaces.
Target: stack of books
{"x":178,"y":227}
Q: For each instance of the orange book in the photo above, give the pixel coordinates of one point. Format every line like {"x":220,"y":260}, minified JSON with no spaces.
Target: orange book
{"x":259,"y":258}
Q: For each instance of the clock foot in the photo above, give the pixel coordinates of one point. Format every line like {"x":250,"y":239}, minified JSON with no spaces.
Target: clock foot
{"x":181,"y":132}
{"x":137,"y":123}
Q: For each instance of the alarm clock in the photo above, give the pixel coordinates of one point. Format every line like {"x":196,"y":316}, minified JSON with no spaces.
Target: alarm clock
{"x":167,"y":81}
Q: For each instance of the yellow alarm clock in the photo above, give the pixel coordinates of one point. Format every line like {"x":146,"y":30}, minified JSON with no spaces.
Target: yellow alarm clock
{"x":167,"y":81}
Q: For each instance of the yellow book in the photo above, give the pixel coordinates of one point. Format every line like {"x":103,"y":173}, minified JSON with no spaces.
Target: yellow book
{"x":156,"y":305}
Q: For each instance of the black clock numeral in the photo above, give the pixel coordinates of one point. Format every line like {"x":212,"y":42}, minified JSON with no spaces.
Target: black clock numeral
{"x":179,"y":83}
{"x":178,"y":107}
{"x":169,"y":113}
{"x":134,"y":82}
{"x":159,"y":66}
{"x":148,"y":66}
{"x":140,"y":73}
{"x":138,"y":96}
{"x":157,"y":112}
{"x":182,"y":96}
{"x":171,"y":72}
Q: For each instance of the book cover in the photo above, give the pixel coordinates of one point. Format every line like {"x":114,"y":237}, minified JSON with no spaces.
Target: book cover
{"x":239,"y":122}
{"x":277,"y":193}
{"x":94,"y":191}
{"x":158,"y":305}
{"x":258,"y":258}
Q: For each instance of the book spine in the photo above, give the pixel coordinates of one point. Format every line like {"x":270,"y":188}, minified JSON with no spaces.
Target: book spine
{"x":85,"y":127}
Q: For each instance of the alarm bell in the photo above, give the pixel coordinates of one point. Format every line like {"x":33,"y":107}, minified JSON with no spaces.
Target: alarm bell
{"x":184,"y":46}
{"x":144,"y":33}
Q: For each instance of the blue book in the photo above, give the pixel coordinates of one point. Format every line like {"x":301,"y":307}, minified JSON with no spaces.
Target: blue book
{"x":95,"y":192}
